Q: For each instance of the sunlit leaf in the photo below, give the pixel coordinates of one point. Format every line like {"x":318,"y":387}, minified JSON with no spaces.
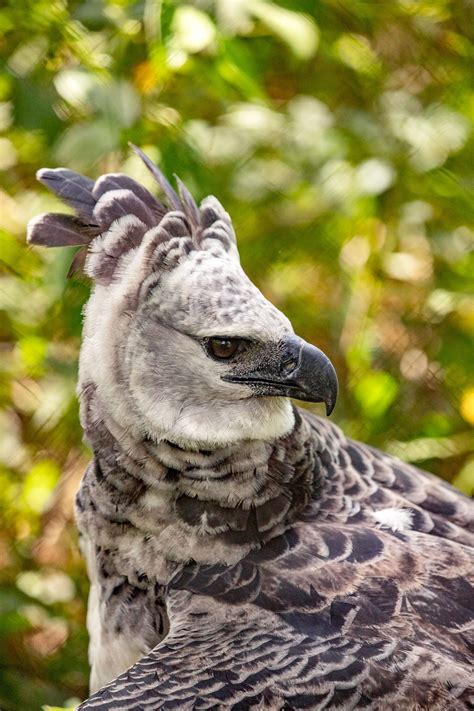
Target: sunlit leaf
{"x":375,"y":392}
{"x":76,"y":87}
{"x":193,"y":30}
{"x":466,"y":407}
{"x":28,"y":55}
{"x":298,"y":31}
{"x":355,"y":51}
{"x":39,"y":484}
{"x":49,"y":586}
{"x":33,"y":350}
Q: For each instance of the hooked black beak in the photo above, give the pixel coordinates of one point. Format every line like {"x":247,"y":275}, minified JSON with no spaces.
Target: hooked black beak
{"x":302,"y":372}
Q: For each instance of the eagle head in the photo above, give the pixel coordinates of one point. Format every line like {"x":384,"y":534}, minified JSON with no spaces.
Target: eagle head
{"x":178,"y":343}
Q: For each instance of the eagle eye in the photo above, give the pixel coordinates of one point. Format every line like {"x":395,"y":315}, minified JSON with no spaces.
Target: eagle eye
{"x":223,"y":348}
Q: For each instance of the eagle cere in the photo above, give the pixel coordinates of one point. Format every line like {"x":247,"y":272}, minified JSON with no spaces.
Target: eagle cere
{"x":242,"y":553}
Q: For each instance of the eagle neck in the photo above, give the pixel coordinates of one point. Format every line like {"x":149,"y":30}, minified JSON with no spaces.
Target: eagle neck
{"x":207,"y":506}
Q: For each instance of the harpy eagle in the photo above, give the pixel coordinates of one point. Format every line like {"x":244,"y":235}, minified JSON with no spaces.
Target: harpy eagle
{"x":242,"y":553}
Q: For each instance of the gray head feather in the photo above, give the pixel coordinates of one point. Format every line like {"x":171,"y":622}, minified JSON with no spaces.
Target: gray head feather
{"x":57,"y":230}
{"x":173,"y":198}
{"x":189,"y":204}
{"x":100,"y":207}
{"x":167,"y":278}
{"x":74,"y":189}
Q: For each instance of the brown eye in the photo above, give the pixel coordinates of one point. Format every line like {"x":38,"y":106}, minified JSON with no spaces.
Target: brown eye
{"x":223,"y":348}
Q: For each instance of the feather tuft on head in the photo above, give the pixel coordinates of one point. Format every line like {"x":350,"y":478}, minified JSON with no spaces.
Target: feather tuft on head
{"x":173,"y":198}
{"x":115,"y":215}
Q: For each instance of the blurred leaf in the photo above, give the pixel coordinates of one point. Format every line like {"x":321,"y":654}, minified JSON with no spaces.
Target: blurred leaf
{"x":48,"y":586}
{"x":76,"y":86}
{"x":465,"y":479}
{"x":467,"y":405}
{"x":38,"y":485}
{"x":355,"y":50}
{"x":425,"y":448}
{"x":298,"y":31}
{"x":84,"y":144}
{"x":33,"y":350}
{"x":193,"y":30}
{"x":375,"y":392}
{"x":117,"y":102}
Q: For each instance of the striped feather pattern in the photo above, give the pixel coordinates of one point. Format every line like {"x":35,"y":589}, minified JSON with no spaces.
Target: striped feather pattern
{"x":334,"y":611}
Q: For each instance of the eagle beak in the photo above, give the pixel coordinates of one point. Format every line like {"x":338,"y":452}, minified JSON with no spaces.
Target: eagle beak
{"x":302,"y":372}
{"x":311,"y":375}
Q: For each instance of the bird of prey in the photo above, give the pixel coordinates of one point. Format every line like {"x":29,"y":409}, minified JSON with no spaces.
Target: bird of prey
{"x":242,"y":553}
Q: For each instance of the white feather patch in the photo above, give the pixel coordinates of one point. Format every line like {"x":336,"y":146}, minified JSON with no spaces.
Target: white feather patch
{"x":395,"y":519}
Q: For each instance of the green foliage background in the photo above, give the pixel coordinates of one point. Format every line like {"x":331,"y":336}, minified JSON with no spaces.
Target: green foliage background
{"x":337,"y":135}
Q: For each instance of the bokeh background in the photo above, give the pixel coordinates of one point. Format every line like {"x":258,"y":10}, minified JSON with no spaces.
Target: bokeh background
{"x":337,"y":135}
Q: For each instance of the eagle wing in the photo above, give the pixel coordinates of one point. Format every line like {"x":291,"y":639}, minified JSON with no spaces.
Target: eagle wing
{"x":364,"y":477}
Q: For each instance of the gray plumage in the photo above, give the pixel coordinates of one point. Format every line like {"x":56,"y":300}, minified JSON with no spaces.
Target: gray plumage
{"x":170,"y":194}
{"x":74,"y":189}
{"x":243,"y":553}
{"x":57,"y":230}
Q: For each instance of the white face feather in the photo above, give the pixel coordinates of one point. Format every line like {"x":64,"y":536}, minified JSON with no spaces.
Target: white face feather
{"x":168,"y":287}
{"x":209,"y":293}
{"x":150,"y":367}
